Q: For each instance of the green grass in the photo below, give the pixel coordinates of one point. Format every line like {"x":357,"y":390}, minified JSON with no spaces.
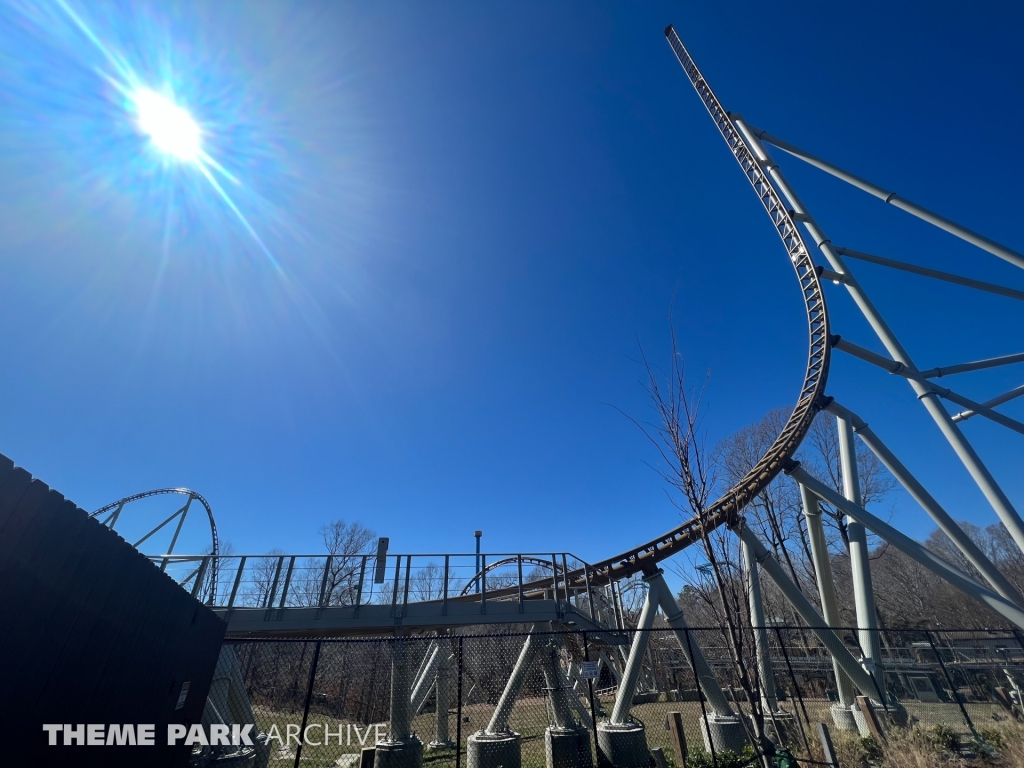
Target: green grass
{"x":530,"y":719}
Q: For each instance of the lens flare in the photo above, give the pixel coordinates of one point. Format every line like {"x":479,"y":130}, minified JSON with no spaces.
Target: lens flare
{"x":171,"y":129}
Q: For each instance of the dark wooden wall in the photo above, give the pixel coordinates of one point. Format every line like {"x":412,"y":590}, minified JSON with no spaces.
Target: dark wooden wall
{"x":90,"y":632}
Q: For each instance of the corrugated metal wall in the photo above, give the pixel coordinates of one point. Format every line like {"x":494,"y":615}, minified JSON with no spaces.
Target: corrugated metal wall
{"x":90,"y":632}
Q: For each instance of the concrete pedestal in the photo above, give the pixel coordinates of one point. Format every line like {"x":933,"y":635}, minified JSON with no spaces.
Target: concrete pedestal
{"x":842,"y":718}
{"x":441,"y":745}
{"x":895,"y":713}
{"x":624,"y":746}
{"x":568,"y":747}
{"x":486,"y":750}
{"x":723,"y":732}
{"x":399,"y":754}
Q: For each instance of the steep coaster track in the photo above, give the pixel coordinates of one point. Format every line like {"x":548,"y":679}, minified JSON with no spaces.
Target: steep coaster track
{"x":726,"y":510}
{"x":116,"y":507}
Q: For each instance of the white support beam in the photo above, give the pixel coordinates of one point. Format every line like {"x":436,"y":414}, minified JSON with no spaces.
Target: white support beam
{"x":893,"y":366}
{"x":835,"y":646}
{"x":977,"y":365}
{"x":826,"y":586}
{"x":499,"y":720}
{"x":759,"y":627}
{"x":967,"y":282}
{"x":631,"y":674}
{"x":999,"y":400}
{"x":689,"y":646}
{"x":943,"y":519}
{"x":863,"y":588}
{"x":996,"y":249}
{"x":912,"y":549}
{"x":928,"y":398}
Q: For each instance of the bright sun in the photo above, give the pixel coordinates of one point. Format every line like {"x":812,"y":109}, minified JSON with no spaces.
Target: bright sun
{"x":171,"y":129}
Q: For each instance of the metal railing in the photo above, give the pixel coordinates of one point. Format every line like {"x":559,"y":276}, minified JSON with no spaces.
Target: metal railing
{"x":353,"y":580}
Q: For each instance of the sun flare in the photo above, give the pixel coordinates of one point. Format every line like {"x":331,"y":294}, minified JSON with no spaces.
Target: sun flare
{"x":171,"y":129}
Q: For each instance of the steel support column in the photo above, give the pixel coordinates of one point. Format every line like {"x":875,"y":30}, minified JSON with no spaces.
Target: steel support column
{"x":971,"y":551}
{"x":770,"y":702}
{"x":561,"y":707}
{"x":691,"y":649}
{"x":401,"y":748}
{"x":722,"y":728}
{"x":502,"y":712}
{"x":826,"y":586}
{"x":863,"y":589}
{"x":400,"y":721}
{"x":425,"y":679}
{"x":835,"y":646}
{"x":627,"y":688}
{"x":442,"y":685}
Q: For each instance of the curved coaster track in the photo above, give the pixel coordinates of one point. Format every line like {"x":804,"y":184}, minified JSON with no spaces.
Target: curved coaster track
{"x":344,"y":593}
{"x":334,"y":594}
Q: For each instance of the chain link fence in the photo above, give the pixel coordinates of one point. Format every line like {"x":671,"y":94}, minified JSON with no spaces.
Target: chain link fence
{"x":447,"y":701}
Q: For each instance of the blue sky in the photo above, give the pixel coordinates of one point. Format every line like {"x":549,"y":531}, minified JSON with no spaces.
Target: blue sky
{"x":475,"y":212}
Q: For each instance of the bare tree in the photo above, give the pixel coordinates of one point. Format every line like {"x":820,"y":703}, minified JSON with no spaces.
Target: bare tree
{"x":262,"y":576}
{"x":427,"y":582}
{"x":692,"y":473}
{"x":337,"y":575}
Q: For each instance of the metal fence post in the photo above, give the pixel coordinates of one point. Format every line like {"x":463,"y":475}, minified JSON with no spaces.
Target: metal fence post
{"x":444,"y":597}
{"x":952,"y":687}
{"x":458,"y":708}
{"x":826,"y":746}
{"x":590,"y":686}
{"x":309,"y":697}
{"x":796,"y":690}
{"x":324,"y":596}
{"x":238,"y":580}
{"x":519,"y":567}
{"x":705,"y":726}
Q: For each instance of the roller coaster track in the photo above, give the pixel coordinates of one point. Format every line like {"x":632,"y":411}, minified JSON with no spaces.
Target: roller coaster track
{"x":115,"y":508}
{"x":726,"y":510}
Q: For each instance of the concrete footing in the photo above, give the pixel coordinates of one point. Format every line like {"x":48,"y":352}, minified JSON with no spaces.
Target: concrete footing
{"x":894,"y":713}
{"x":624,"y":746}
{"x":441,"y":745}
{"x":567,"y":747}
{"x":842,"y":718}
{"x":723,"y":732}
{"x":493,"y":750}
{"x":399,"y":754}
